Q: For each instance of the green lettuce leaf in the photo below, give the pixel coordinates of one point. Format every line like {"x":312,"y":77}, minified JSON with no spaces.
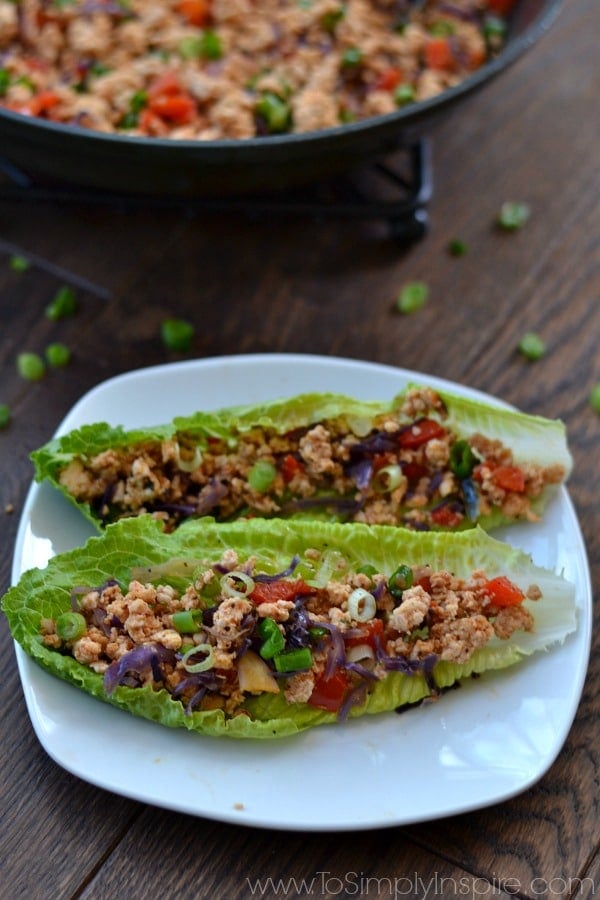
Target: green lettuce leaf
{"x":532,"y":439}
{"x":139,"y":545}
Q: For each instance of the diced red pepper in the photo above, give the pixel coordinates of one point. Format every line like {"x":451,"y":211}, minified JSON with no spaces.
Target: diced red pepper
{"x":39,"y":104}
{"x":284,"y":589}
{"x":446,"y":517}
{"x":501,"y":7}
{"x":438,"y":53}
{"x":419,"y":433}
{"x":167,"y":83}
{"x":329,"y":693}
{"x":177,"y":108}
{"x":503,"y":592}
{"x":414,"y":471}
{"x":290,"y":467}
{"x":369,"y":632}
{"x":195,"y":12}
{"x":389,"y":79}
{"x":425,"y":583}
{"x":510,"y":478}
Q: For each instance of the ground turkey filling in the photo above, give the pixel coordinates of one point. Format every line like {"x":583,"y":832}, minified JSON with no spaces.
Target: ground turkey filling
{"x":220,"y":69}
{"x":235,"y":632}
{"x":410,"y":470}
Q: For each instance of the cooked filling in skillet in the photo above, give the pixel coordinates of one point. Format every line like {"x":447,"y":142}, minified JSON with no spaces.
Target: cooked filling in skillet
{"x":410,"y":469}
{"x":216,"y":69}
{"x":236,"y":632}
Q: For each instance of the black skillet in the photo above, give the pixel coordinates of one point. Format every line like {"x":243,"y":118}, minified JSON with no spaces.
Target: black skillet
{"x":58,"y":154}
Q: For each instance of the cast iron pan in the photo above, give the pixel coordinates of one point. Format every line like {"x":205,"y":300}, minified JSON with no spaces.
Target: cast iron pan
{"x":54,"y":154}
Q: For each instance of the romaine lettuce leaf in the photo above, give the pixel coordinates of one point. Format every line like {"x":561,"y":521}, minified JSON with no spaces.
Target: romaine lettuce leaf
{"x":139,"y":544}
{"x":532,"y":439}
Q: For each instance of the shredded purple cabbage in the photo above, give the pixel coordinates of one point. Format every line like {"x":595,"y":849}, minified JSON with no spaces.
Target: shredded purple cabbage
{"x":267,"y":579}
{"x":471,"y":498}
{"x":131,"y":668}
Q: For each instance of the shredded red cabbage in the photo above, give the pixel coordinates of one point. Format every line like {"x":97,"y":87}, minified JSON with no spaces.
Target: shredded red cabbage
{"x":267,"y":579}
{"x":131,"y":668}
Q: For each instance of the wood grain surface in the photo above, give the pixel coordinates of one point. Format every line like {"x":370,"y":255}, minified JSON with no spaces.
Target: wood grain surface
{"x":253,"y":284}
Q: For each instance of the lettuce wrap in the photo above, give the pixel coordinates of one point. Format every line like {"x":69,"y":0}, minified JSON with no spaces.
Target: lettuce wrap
{"x":311,"y":604}
{"x":426,"y":460}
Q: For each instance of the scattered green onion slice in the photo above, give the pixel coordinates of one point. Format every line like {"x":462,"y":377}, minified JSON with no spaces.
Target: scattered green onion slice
{"x":293,"y":660}
{"x":400,"y":580}
{"x":64,"y":304}
{"x":532,"y":346}
{"x":387,"y":479}
{"x":203,"y":664}
{"x":31,"y":366}
{"x":456,"y":247}
{"x":237,"y":584}
{"x":185,"y":621}
{"x":262,"y":475}
{"x":19,"y":263}
{"x":70,"y":626}
{"x":367,"y":569}
{"x":513,"y":215}
{"x":177,"y":334}
{"x":58,"y":355}
{"x":412,"y":297}
{"x":462,"y":459}
{"x":4,"y":415}
{"x":595,"y":398}
{"x":361,"y":605}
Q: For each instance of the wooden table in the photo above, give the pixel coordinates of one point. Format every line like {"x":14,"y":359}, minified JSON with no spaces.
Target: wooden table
{"x":327,"y":287}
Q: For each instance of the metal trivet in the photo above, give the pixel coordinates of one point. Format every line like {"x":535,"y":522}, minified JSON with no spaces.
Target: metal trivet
{"x":395,"y":191}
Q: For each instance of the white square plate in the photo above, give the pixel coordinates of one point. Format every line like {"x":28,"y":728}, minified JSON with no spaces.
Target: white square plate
{"x":484,"y":743}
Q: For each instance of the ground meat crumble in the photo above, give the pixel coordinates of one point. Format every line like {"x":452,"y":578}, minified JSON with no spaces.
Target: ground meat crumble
{"x":217,"y":656}
{"x":213,"y":69}
{"x":404,"y":472}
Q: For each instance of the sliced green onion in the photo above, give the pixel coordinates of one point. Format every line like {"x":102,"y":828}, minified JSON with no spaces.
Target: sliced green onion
{"x":317,"y":632}
{"x":4,"y":415}
{"x":177,"y":334}
{"x":367,"y":569}
{"x":58,"y":355}
{"x":594,"y":398}
{"x":64,"y":304}
{"x":31,"y":366}
{"x":273,"y":639}
{"x":412,"y":297}
{"x":293,"y":660}
{"x":19,"y":263}
{"x":188,"y":465}
{"x":361,"y":605}
{"x":456,"y":247}
{"x":70,"y":626}
{"x":211,"y":45}
{"x":203,"y":664}
{"x":513,"y":216}
{"x":275,"y":112}
{"x":400,"y":580}
{"x":352,"y":57}
{"x":262,"y":475}
{"x":532,"y":346}
{"x":403,"y":94}
{"x":190,"y":47}
{"x":387,"y":479}
{"x":331,"y":19}
{"x":185,"y":621}
{"x":237,"y":584}
{"x":332,"y":563}
{"x":462,"y":459}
